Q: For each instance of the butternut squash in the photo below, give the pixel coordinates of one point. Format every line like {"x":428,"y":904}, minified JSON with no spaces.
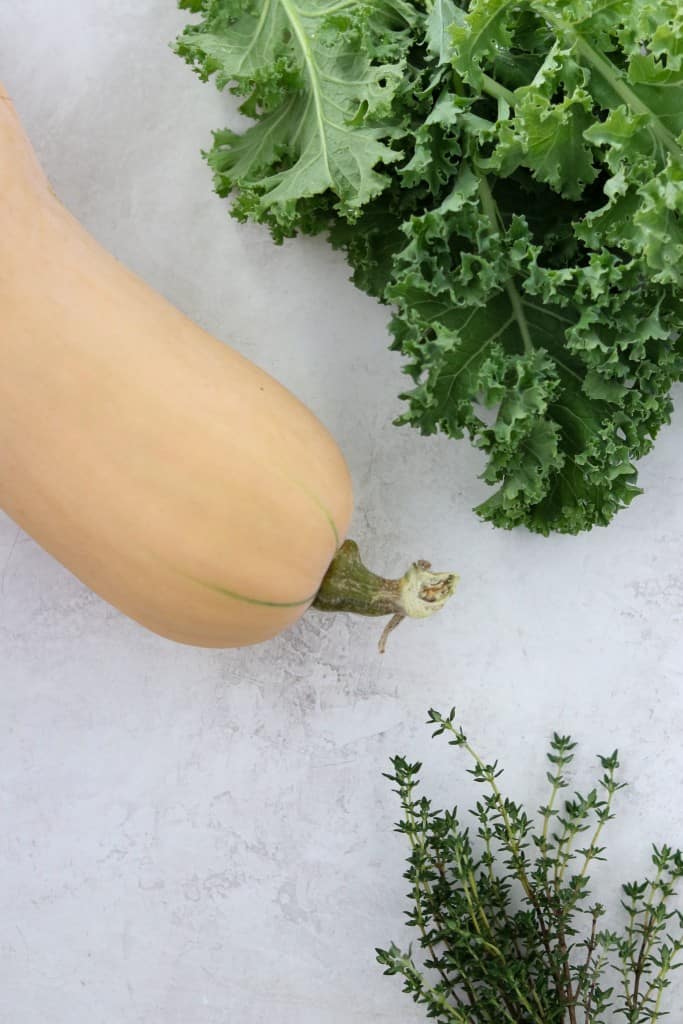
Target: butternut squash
{"x":172,"y":476}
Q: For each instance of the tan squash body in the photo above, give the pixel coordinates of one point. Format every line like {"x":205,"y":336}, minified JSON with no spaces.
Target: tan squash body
{"x":171,"y":475}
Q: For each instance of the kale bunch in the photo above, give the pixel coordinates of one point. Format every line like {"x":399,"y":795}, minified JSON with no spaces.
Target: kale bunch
{"x":508,"y":178}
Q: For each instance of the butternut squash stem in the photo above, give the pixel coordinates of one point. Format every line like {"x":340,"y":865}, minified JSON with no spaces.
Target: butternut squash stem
{"x":349,"y":586}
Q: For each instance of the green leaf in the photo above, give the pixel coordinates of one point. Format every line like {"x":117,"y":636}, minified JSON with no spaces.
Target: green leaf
{"x":442,"y":17}
{"x":547,"y":133}
{"x":316,"y":92}
{"x":485,"y":29}
{"x":437,"y":147}
{"x":659,"y":220}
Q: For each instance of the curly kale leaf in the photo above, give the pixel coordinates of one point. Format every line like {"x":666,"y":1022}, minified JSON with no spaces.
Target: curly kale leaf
{"x":319,"y":80}
{"x":561,"y":376}
{"x":509,"y":178}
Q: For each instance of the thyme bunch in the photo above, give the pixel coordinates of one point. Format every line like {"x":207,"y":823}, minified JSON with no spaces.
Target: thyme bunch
{"x":508,"y":931}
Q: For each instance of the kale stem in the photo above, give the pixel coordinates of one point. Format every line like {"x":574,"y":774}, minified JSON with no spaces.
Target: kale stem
{"x":624,"y":92}
{"x":614,"y":78}
{"x":493,"y":213}
{"x":498,"y":91}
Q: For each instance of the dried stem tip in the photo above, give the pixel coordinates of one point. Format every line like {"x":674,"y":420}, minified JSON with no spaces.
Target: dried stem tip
{"x":349,"y":586}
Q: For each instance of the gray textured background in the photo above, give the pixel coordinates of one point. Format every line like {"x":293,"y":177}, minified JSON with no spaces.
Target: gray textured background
{"x":202,"y":837}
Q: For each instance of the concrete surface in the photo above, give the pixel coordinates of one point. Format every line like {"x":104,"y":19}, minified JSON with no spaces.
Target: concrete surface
{"x":204,"y":837}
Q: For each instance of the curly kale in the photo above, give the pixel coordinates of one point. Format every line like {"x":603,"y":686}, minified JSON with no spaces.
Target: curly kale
{"x":508,"y":177}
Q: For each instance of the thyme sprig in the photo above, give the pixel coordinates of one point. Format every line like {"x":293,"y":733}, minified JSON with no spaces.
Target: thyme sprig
{"x":508,"y":932}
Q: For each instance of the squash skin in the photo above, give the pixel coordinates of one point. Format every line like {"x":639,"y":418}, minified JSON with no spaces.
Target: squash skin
{"x":171,"y":475}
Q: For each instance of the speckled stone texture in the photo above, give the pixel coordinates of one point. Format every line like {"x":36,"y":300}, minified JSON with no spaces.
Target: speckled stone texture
{"x":205,"y":837}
